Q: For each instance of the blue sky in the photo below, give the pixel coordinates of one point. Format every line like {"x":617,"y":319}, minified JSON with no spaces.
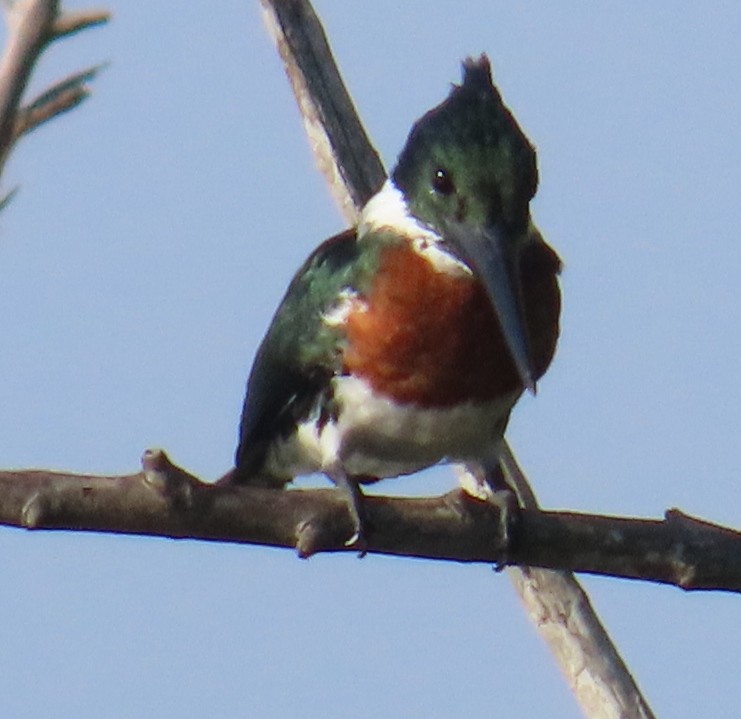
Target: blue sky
{"x":156,"y":229}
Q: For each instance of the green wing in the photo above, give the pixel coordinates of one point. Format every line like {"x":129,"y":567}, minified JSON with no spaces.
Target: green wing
{"x":299,"y":354}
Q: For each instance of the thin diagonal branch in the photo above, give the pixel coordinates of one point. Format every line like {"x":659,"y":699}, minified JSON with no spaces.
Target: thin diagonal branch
{"x":590,"y":661}
{"x":73,"y":21}
{"x":341,"y":147}
{"x":601,"y":682}
{"x":62,"y":97}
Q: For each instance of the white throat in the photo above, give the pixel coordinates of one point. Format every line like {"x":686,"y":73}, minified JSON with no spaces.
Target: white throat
{"x":387,"y":210}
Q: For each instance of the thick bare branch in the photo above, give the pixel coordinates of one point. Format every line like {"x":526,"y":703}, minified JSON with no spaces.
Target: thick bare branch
{"x":165,"y":500}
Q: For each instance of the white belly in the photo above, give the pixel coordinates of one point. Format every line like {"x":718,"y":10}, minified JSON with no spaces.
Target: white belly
{"x":375,"y":437}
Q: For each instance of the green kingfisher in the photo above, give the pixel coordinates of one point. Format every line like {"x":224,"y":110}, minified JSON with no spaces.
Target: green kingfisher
{"x":407,"y":340}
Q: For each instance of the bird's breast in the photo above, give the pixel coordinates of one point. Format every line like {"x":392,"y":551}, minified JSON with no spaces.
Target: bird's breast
{"x":427,"y":337}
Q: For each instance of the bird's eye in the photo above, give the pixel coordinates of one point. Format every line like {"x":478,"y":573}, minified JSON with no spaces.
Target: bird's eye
{"x":442,"y":182}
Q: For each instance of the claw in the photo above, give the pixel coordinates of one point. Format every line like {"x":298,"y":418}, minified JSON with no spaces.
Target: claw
{"x":358,"y":542}
{"x":354,"y":498}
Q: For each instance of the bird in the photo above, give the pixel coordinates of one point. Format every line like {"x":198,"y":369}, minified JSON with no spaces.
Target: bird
{"x":406,"y":341}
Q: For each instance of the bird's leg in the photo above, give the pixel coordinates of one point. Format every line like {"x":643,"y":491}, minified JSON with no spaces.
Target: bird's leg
{"x":354,"y":498}
{"x":495,"y":479}
{"x":503,"y":496}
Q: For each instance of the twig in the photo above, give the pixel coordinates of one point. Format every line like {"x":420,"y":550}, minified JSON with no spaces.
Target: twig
{"x":32,"y":25}
{"x":602,"y":684}
{"x":71,"y":22}
{"x":61,"y":97}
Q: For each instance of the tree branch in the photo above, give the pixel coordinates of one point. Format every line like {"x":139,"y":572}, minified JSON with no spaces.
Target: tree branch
{"x":341,"y":147}
{"x":71,"y":22}
{"x":61,"y":97}
{"x":29,"y":24}
{"x":165,"y":500}
{"x":560,"y":608}
{"x":32,"y":26}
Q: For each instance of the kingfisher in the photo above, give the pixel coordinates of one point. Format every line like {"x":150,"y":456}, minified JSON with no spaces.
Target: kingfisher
{"x":406,"y":341}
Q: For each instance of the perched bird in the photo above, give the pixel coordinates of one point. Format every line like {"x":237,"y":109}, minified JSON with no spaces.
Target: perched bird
{"x":407,"y":341}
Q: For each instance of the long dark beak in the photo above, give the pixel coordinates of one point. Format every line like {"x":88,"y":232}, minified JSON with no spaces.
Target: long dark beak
{"x":490,"y":253}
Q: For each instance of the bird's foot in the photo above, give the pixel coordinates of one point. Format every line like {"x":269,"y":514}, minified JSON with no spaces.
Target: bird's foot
{"x":505,"y":501}
{"x":354,"y":499}
{"x":358,"y":542}
{"x":487,"y":484}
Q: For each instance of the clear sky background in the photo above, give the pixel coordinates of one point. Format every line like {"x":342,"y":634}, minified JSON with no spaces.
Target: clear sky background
{"x":155,"y":231}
